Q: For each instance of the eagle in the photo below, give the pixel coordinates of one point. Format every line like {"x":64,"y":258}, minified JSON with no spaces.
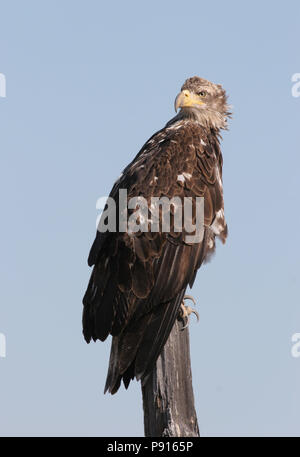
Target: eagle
{"x":137,"y":286}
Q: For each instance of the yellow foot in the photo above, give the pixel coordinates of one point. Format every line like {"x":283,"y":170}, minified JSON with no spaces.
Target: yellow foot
{"x":186,"y":311}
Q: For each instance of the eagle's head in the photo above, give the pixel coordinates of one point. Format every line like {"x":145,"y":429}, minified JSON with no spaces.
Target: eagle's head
{"x":203,"y":101}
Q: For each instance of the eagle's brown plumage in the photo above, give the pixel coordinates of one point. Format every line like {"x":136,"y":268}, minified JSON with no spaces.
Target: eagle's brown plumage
{"x":139,"y":280}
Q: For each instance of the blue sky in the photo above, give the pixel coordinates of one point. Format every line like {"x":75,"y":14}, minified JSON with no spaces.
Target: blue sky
{"x":87,"y":83}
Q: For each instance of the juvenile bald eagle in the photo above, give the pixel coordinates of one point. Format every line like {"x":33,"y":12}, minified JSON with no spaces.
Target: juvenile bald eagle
{"x":139,"y":279}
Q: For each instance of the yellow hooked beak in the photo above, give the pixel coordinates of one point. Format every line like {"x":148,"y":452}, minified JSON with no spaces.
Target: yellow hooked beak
{"x":187,"y":98}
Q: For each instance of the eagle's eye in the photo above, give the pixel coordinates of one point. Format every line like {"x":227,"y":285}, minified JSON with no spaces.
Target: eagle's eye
{"x":202,"y":93}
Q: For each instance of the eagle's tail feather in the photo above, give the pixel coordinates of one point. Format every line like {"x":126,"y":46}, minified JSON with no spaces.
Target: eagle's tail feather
{"x":134,"y":353}
{"x":113,"y":379}
{"x":156,"y":335}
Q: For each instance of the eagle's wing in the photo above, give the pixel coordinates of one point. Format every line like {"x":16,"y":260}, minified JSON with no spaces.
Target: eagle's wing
{"x":139,"y":280}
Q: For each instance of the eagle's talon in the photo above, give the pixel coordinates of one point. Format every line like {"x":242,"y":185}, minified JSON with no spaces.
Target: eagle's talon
{"x":189,"y":297}
{"x":186,"y":311}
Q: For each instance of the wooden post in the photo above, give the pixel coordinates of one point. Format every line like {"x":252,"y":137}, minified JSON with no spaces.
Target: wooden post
{"x":168,"y":398}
